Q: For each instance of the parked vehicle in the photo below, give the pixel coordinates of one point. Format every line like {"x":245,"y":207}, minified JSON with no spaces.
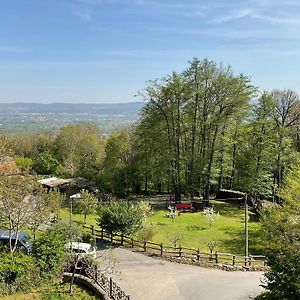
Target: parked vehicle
{"x":23,"y":240}
{"x":82,"y":248}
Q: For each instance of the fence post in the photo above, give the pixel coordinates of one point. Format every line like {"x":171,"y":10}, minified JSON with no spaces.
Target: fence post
{"x":161,"y":249}
{"x":233,"y":260}
{"x":180,"y":251}
{"x":122,"y":239}
{"x":132,"y":243}
{"x":102,"y":234}
{"x":250,"y":258}
{"x":216,"y":257}
{"x":198,"y":254}
{"x":246,"y":261}
{"x":145,"y":246}
{"x":110,"y":287}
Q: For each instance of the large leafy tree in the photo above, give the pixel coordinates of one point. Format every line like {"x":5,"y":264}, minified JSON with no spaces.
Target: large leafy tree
{"x":189,"y":113}
{"x":80,"y":148}
{"x":281,"y":229}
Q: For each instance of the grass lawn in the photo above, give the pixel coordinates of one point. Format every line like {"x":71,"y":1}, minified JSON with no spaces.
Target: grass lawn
{"x":54,"y":292}
{"x":227,"y":229}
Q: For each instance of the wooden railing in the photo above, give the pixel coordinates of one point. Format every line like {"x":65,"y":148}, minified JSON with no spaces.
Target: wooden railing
{"x":108,"y":285}
{"x":194,"y":255}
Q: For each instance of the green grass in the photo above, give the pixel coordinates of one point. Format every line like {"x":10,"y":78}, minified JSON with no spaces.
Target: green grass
{"x":227,"y":230}
{"x":64,"y":214}
{"x":54,"y":292}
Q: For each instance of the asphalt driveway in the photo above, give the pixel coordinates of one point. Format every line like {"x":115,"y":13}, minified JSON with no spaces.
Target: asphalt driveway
{"x":146,"y":278}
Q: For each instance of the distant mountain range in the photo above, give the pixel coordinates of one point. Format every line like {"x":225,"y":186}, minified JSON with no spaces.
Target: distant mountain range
{"x":129,"y":109}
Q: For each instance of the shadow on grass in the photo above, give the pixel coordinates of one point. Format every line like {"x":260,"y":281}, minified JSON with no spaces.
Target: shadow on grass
{"x":194,"y":227}
{"x":236,"y":244}
{"x":227,"y":209}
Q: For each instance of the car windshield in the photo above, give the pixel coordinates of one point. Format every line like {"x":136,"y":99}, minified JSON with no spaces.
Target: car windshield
{"x":26,"y":240}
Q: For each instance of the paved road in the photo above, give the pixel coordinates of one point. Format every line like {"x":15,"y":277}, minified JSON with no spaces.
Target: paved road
{"x":145,"y":278}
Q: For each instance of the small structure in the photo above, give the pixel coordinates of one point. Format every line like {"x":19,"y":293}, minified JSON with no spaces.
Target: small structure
{"x":54,"y":182}
{"x":230,"y":195}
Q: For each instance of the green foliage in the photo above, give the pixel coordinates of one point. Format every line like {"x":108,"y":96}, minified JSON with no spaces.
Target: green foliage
{"x":147,"y":232}
{"x":86,"y":204}
{"x":80,"y":148}
{"x":46,"y":163}
{"x":21,"y":204}
{"x":115,"y":177}
{"x":281,"y":229}
{"x":18,"y":273}
{"x":49,"y":251}
{"x":120,"y":217}
{"x":24,"y":164}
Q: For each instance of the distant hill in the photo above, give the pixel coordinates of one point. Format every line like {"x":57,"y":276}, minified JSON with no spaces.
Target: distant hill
{"x":131,"y":109}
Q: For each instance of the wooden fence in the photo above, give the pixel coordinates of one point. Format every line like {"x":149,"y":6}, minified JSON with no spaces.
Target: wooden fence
{"x":179,"y":252}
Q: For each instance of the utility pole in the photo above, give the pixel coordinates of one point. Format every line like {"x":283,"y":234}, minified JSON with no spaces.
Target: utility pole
{"x":246,"y":230}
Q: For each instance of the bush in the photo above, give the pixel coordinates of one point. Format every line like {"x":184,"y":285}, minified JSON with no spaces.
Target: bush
{"x":49,"y":252}
{"x":18,"y":273}
{"x":147,"y":232}
{"x":120,"y":217}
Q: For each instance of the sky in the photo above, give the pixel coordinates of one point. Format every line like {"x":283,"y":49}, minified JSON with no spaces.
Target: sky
{"x":105,"y":50}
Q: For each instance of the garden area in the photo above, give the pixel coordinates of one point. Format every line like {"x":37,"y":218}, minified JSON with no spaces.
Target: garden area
{"x":193,"y":229}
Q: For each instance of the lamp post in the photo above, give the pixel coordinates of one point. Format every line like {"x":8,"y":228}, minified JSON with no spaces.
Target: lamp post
{"x":75,"y":196}
{"x":246,"y":229}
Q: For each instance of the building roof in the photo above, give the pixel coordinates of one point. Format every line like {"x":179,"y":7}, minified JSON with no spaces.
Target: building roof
{"x":53,"y":181}
{"x":8,"y":168}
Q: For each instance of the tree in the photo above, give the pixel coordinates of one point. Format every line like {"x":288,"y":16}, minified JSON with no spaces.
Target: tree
{"x":49,"y":251}
{"x":20,"y":197}
{"x":116,"y":163}
{"x":46,"y":164}
{"x":186,"y":117}
{"x":286,"y":116}
{"x":120,"y":217}
{"x":281,"y":232}
{"x":79,"y":147}
{"x":86,"y":204}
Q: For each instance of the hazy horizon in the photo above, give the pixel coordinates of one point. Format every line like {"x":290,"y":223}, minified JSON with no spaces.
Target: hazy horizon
{"x":106,"y":50}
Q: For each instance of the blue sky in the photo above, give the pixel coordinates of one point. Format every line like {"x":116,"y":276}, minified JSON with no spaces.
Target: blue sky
{"x":105,"y":50}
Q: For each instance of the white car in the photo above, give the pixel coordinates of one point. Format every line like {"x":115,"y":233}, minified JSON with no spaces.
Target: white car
{"x":82,"y":248}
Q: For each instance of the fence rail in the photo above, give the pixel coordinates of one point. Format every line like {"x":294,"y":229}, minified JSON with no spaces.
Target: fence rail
{"x":107,"y":284}
{"x":179,"y":252}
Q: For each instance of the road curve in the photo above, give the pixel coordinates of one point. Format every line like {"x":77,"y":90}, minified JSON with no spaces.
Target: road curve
{"x":146,"y":278}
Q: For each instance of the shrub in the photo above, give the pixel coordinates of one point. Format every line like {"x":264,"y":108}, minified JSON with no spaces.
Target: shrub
{"x":18,"y":273}
{"x":49,"y":252}
{"x":147,"y":232}
{"x":120,"y":217}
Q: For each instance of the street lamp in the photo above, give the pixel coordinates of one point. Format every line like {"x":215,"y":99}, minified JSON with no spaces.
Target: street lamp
{"x":75,"y":196}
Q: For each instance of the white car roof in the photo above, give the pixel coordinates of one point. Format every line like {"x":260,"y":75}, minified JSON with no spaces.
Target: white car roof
{"x":80,"y":246}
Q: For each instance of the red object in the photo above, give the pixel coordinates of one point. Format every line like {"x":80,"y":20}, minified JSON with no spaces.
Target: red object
{"x":184,"y":206}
